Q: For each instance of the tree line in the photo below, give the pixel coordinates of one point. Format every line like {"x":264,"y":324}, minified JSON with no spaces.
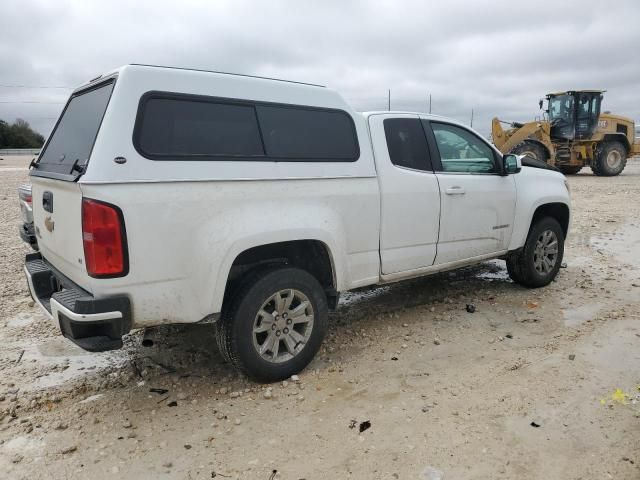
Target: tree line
{"x":19,"y":134}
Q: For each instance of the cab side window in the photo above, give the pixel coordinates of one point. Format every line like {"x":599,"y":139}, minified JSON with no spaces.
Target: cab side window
{"x":407,"y":143}
{"x":462,"y":151}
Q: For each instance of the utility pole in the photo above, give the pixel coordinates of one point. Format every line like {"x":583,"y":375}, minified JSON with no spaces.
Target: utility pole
{"x":429,"y":103}
{"x":389,"y":100}
{"x":472,"y":118}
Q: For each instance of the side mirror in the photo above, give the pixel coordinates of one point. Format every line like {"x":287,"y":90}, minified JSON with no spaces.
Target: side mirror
{"x":511,"y":164}
{"x":540,"y":103}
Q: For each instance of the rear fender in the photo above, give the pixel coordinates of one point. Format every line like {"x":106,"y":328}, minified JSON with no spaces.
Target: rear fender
{"x":303,"y":227}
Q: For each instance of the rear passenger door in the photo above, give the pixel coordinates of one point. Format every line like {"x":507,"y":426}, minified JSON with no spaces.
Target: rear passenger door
{"x":478,"y":203}
{"x":410,"y":205}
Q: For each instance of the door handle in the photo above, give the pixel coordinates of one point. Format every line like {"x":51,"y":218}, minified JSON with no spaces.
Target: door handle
{"x":455,"y":191}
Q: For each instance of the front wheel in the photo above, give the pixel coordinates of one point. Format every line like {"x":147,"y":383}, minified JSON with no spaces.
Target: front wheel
{"x":274,"y":324}
{"x":569,"y":169}
{"x":538,"y":263}
{"x":530,"y":149}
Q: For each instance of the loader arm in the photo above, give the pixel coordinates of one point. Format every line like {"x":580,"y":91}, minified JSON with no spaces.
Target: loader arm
{"x":520,"y":135}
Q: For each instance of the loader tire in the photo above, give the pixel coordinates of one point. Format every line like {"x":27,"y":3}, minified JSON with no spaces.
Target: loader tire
{"x":610,"y":159}
{"x":530,"y":149}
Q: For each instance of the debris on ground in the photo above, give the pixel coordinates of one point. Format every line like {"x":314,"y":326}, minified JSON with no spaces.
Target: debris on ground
{"x":159,"y":391}
{"x":618,"y":396}
{"x":535,"y":424}
{"x":366,"y":425}
{"x":68,"y":449}
{"x":471,"y":308}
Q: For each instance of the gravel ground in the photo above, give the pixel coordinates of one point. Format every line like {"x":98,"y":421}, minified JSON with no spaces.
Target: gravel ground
{"x":536,"y":384}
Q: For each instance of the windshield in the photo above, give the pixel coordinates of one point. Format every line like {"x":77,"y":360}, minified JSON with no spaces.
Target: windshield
{"x":561,"y":109}
{"x":73,"y":137}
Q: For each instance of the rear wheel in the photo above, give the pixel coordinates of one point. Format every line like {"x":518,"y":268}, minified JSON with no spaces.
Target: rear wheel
{"x":569,"y":169}
{"x":538,"y":263}
{"x":530,"y":149}
{"x":274,"y":324}
{"x":610,"y":159}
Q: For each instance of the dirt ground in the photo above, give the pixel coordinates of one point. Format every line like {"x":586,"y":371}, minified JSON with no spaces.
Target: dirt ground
{"x":536,"y":384}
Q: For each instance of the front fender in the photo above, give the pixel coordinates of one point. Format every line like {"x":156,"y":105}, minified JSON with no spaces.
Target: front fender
{"x":535,"y":187}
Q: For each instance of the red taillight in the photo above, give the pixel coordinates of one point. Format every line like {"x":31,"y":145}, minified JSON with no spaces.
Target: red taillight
{"x":104,"y":239}
{"x":28,"y":199}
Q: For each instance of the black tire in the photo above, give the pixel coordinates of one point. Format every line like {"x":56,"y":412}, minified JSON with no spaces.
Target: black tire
{"x":521,"y":265}
{"x":602,"y":164}
{"x":569,"y":170}
{"x":235,"y":329}
{"x":531,"y":149}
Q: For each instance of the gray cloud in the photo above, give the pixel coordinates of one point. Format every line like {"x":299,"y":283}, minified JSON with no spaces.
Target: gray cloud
{"x":498,"y":58}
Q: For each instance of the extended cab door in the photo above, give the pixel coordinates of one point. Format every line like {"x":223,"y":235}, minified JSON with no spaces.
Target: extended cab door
{"x":410,"y":198}
{"x":478,"y":203}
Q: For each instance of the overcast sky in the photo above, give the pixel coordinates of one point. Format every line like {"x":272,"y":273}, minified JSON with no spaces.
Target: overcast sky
{"x":498,"y":58}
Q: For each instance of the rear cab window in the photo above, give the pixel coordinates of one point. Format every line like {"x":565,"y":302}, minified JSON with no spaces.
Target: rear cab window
{"x":171,"y":126}
{"x":407,"y":143}
{"x":66,"y":153}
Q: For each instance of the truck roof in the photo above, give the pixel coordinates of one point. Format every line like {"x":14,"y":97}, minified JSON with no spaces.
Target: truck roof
{"x":185,"y":69}
{"x":427,"y":116}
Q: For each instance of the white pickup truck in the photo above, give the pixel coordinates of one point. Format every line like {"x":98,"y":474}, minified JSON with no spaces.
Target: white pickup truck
{"x":168,"y":195}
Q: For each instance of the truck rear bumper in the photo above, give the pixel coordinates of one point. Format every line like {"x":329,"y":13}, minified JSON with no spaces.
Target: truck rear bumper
{"x":94,"y":324}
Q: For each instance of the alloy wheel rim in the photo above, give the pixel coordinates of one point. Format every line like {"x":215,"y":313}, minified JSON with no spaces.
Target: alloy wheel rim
{"x":283,"y":326}
{"x":613,"y":159}
{"x":545,"y":253}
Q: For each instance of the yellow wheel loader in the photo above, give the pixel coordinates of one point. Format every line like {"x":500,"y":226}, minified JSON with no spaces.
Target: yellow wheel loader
{"x":572,"y":134}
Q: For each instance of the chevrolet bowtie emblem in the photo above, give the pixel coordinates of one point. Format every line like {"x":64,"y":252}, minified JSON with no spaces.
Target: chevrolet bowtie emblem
{"x":50,"y":224}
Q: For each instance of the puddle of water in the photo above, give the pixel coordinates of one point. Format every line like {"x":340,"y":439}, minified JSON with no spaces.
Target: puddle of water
{"x":614,"y":355}
{"x":624,"y":244}
{"x":494,"y":270}
{"x":574,"y":317}
{"x":579,"y":261}
{"x":60,"y":351}
{"x":13,"y":169}
{"x":20,"y":444}
{"x":354,"y":297}
{"x":20,"y":320}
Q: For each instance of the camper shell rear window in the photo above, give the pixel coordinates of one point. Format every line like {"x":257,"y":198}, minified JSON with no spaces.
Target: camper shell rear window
{"x":171,"y":126}
{"x":67,"y":151}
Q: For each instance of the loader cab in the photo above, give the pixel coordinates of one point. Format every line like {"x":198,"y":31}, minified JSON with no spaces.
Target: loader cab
{"x":574,"y":115}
